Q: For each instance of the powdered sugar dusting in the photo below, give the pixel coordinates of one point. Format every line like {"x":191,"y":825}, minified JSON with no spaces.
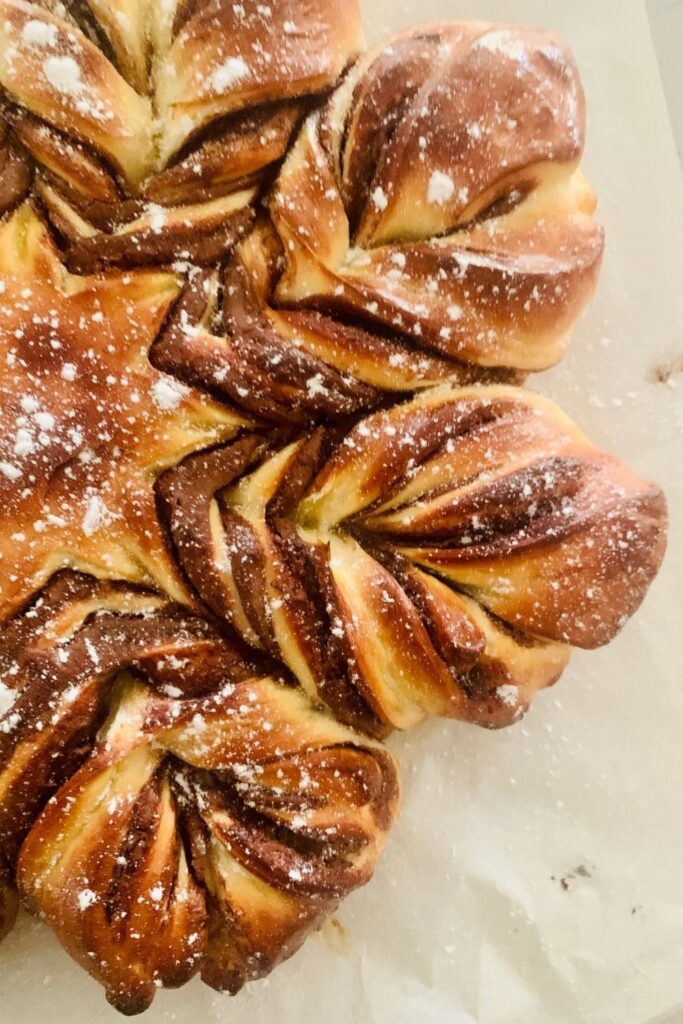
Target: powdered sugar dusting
{"x":232,"y":71}
{"x":39,"y":33}
{"x":7,"y":698}
{"x":509,"y":695}
{"x":379,"y":198}
{"x":168,"y":394}
{"x":86,"y":898}
{"x":505,"y":43}
{"x":10,"y":470}
{"x":440,"y":189}
{"x":97,"y":516}
{"x":63,"y":74}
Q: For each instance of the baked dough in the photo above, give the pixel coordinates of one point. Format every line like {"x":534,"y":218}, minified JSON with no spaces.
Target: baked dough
{"x":268,"y":490}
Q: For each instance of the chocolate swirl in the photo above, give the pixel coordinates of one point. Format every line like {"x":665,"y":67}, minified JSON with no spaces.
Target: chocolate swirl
{"x":174,"y":808}
{"x":153,"y":127}
{"x":438,"y":559}
{"x":430,"y":223}
{"x":212,"y":554}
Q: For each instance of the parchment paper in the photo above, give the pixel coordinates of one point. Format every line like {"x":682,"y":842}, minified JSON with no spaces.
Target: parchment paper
{"x":536,"y":876}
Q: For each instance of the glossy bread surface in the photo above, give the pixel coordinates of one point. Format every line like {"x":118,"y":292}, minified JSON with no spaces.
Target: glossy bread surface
{"x":269,"y":491}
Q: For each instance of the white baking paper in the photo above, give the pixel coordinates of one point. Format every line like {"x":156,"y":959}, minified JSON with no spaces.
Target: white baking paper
{"x":535,"y":876}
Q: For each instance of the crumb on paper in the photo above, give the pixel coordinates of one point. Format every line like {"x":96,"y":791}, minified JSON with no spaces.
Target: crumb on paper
{"x":666,"y":372}
{"x":567,"y":881}
{"x":335,"y":936}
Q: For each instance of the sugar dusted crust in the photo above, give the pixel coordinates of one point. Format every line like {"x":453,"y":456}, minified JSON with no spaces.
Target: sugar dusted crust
{"x":152,"y":125}
{"x":209,"y":815}
{"x":269,"y":489}
{"x":419,"y":563}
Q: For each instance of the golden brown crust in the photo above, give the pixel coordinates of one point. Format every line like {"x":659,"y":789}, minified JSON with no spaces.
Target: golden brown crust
{"x":291,"y":365}
{"x":267,"y":53}
{"x":86,"y":422}
{"x":198,"y":830}
{"x":153,"y":127}
{"x":454,"y":211}
{"x":422,"y":567}
{"x":177,"y":794}
{"x":430,"y":223}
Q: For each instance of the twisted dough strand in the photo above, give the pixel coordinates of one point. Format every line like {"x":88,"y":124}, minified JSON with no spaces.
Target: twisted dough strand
{"x":430,"y":223}
{"x":205,"y":815}
{"x":483,"y":247}
{"x":153,"y":127}
{"x":438,"y":559}
{"x":175,"y":795}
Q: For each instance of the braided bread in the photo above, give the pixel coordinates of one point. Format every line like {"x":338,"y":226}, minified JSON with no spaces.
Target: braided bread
{"x":284,"y":809}
{"x":430,"y":223}
{"x":419,"y":565}
{"x":229,"y":563}
{"x":86,"y":421}
{"x":152,"y":127}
